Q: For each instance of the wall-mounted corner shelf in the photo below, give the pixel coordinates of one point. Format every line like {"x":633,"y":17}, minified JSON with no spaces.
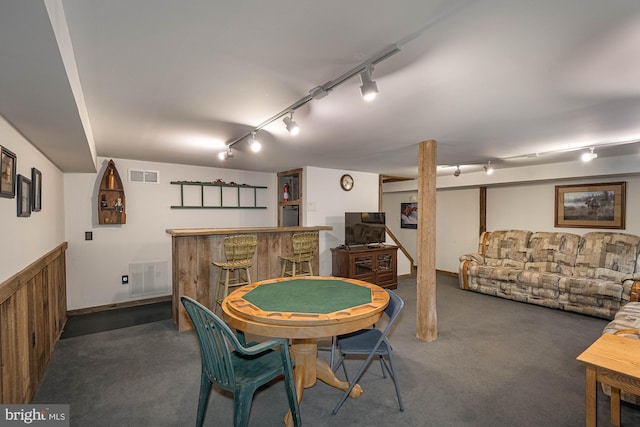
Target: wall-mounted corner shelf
{"x":222,"y":186}
{"x":111,"y":200}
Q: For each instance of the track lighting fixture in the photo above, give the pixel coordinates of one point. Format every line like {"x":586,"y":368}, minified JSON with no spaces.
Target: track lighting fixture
{"x":254,"y":143}
{"x":488,"y":168}
{"x":457,"y":171}
{"x":369,"y":88}
{"x":587,"y":157}
{"x":224,"y":155}
{"x":291,"y":125}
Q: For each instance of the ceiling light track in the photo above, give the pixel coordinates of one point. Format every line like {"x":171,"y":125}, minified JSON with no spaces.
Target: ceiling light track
{"x":323,"y":90}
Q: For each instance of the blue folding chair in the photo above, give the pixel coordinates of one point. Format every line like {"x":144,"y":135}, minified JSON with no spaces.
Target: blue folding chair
{"x":240,"y":371}
{"x":371,"y":342}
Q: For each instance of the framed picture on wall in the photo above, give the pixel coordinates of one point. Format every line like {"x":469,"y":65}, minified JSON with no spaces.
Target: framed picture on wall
{"x":36,"y":190}
{"x":591,"y":205}
{"x":7,"y":173}
{"x":24,"y":196}
{"x":409,"y":215}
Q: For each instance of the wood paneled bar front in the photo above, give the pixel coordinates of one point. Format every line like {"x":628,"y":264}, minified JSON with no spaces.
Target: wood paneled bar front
{"x":194,"y":249}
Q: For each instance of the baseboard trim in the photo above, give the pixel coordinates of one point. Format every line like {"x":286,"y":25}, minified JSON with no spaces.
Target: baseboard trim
{"x":447,"y":273}
{"x":443,"y":272}
{"x":115,"y":306}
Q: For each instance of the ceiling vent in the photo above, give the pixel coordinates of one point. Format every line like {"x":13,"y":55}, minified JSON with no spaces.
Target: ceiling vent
{"x":150,"y":177}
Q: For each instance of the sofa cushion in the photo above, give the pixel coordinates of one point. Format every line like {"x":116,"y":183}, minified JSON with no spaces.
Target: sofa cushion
{"x":542,"y":266}
{"x":591,"y":287}
{"x":506,"y":248}
{"x":606,"y":255}
{"x":557,"y":250}
{"x":539,"y":279}
{"x":626,"y":319}
{"x":506,"y":274}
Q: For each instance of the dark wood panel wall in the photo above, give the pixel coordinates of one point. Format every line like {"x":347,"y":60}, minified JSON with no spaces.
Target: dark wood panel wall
{"x":33,"y":311}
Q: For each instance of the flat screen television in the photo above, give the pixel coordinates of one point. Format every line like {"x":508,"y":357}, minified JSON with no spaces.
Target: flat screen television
{"x":364,"y":228}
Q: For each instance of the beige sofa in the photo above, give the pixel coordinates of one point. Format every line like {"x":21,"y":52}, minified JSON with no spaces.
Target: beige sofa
{"x":593,"y":274}
{"x":626,"y":323}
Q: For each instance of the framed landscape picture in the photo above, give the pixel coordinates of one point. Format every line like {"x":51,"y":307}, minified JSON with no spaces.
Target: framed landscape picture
{"x":409,"y":215}
{"x":7,"y":173}
{"x":591,"y":205}
{"x":24,"y":196}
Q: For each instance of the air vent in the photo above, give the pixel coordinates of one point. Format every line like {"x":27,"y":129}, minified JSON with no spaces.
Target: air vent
{"x":150,"y":177}
{"x":148,"y":278}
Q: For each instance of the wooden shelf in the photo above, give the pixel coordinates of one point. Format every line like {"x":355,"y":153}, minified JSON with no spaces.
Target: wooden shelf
{"x":221,"y":186}
{"x":111,"y":198}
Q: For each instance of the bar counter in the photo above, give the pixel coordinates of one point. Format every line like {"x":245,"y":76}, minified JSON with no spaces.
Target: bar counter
{"x":194,"y":249}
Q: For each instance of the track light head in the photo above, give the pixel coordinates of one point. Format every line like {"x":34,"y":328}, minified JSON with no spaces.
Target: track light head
{"x":587,"y":157}
{"x":488,"y":168}
{"x":291,"y":125}
{"x":225,"y":155}
{"x":457,"y":171}
{"x":254,"y":143}
{"x":369,"y":88}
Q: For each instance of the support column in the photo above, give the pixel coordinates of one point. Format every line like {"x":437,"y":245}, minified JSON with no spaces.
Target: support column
{"x":426,"y":316}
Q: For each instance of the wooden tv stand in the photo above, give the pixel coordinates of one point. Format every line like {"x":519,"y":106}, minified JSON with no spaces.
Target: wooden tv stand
{"x":373,"y":264}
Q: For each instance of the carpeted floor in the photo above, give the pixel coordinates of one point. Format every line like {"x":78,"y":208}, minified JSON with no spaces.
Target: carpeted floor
{"x":495,"y":363}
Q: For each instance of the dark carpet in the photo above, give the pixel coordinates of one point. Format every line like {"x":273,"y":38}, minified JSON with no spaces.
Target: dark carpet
{"x":495,"y":363}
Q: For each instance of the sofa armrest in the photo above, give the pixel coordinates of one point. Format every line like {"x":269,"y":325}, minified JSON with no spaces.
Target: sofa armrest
{"x":465,"y":261}
{"x":634,"y":295}
{"x":479,"y":259}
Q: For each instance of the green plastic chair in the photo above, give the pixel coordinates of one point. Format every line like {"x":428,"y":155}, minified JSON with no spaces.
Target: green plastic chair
{"x":240,"y":371}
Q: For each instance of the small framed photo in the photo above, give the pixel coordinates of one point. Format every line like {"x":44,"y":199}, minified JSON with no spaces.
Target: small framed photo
{"x":591,"y":205}
{"x":24,"y":196}
{"x":7,"y":174}
{"x":36,"y":190}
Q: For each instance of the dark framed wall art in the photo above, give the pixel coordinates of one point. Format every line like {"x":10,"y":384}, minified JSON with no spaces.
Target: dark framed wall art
{"x":591,"y":205}
{"x":409,"y":215}
{"x":36,"y":190}
{"x":7,"y":173}
{"x":24,"y":196}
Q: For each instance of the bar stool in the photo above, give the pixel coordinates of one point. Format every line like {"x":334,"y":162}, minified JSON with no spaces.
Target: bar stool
{"x":304,"y":246}
{"x":238,"y":251}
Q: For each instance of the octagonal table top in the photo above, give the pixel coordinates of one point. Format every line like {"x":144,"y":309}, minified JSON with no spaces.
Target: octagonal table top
{"x":307,"y":300}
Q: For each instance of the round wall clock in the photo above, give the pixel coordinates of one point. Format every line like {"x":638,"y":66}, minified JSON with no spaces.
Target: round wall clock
{"x":346,"y":182}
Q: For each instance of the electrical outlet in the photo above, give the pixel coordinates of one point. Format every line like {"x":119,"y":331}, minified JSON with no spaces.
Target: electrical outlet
{"x":125,"y":279}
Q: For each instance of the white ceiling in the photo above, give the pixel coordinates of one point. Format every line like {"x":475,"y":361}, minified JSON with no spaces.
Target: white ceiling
{"x":162,"y":80}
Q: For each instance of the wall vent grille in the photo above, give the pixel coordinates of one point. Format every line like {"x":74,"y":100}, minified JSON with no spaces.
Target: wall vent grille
{"x":150,"y":177}
{"x":148,"y":278}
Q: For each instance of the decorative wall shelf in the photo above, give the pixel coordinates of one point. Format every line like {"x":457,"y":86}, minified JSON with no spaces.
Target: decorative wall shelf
{"x":111,"y":200}
{"x":221,"y":186}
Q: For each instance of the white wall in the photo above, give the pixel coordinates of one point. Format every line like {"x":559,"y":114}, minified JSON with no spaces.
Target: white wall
{"x":26,"y":239}
{"x":457,"y":222}
{"x":516,"y":199}
{"x":94,"y":268}
{"x":326,"y":203}
{"x":531,"y":206}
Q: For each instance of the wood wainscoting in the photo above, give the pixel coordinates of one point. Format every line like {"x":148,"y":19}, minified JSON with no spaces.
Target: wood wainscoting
{"x":33,"y":311}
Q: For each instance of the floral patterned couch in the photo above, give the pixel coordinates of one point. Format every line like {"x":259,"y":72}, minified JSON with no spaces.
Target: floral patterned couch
{"x":594,"y":274}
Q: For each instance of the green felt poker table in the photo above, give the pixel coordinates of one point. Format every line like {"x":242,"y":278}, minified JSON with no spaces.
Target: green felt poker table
{"x":304,"y":309}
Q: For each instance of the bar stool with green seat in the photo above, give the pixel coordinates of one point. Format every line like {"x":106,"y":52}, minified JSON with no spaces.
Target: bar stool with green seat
{"x":238,"y":251}
{"x":304,"y":246}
